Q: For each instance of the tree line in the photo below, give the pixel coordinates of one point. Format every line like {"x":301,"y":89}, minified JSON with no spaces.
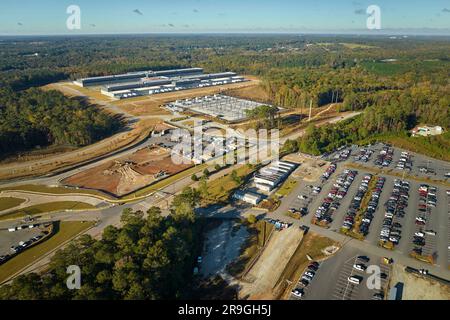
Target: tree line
{"x":34,"y":118}
{"x":150,"y":257}
{"x":395,"y":113}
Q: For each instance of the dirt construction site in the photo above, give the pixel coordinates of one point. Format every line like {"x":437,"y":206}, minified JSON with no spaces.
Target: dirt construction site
{"x":261,"y":279}
{"x":128,"y":174}
{"x":310,"y":169}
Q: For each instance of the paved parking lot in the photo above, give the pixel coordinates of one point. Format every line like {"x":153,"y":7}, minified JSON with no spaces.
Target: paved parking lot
{"x":331,"y":281}
{"x":422,"y":166}
{"x":9,"y":239}
{"x":438,"y":221}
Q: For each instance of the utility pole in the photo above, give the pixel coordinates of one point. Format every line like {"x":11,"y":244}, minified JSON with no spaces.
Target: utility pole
{"x":310,"y":111}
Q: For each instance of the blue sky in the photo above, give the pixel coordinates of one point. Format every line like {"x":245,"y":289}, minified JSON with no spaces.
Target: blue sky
{"x":198,"y":16}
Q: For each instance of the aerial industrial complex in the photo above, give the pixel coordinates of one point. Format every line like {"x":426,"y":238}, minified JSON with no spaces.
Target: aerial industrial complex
{"x":144,"y":83}
{"x":219,"y":106}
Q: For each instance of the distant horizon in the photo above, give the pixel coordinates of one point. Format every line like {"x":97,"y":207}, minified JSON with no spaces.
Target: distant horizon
{"x":104,"y":17}
{"x":382,"y":33}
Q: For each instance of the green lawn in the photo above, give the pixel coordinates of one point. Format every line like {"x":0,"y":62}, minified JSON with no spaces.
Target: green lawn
{"x":47,"y":207}
{"x":287,"y":187}
{"x":220,"y":189}
{"x":63,"y":232}
{"x":8,"y":203}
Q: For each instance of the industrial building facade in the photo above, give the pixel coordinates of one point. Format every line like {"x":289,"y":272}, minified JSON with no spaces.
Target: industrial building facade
{"x":270,"y":177}
{"x":154,"y":82}
{"x":266,"y":180}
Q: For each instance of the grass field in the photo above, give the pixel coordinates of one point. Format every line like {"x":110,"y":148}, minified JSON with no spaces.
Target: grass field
{"x":55,"y":190}
{"x":287,"y":187}
{"x":386,"y":69}
{"x":47,"y":207}
{"x":357,"y":46}
{"x":220,"y":189}
{"x":8,"y":203}
{"x":64,"y":232}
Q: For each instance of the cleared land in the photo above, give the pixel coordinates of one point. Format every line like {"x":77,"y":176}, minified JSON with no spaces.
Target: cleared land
{"x":64,"y":232}
{"x":128,"y":174}
{"x":151,"y":105}
{"x":416,"y":287}
{"x":138,"y":133}
{"x":10,"y":202}
{"x":259,"y":282}
{"x":254,"y":93}
{"x":310,"y":170}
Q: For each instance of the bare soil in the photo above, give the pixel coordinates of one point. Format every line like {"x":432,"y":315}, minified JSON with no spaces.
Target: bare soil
{"x":261,"y":279}
{"x":128,"y":174}
{"x":310,"y":169}
{"x":151,"y":105}
{"x":416,"y":287}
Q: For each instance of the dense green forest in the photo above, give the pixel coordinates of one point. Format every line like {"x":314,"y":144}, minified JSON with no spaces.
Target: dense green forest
{"x":374,"y":73}
{"x":40,"y":118}
{"x":150,"y":257}
{"x":395,"y":112}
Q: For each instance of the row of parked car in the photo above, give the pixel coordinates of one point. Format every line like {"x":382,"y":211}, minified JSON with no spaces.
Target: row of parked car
{"x":331,"y":169}
{"x":384,"y":159}
{"x":372,"y":206}
{"x":427,"y":200}
{"x":18,"y":228}
{"x":279,"y":225}
{"x":343,"y":155}
{"x":306,"y":279}
{"x":360,"y":266}
{"x":405,"y":162}
{"x":364,"y":155}
{"x":332,"y":202}
{"x":395,"y":210}
{"x":16,"y":249}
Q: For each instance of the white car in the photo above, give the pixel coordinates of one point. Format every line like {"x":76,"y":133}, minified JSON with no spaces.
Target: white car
{"x":298,"y":293}
{"x":448,"y":192}
{"x":431,"y":232}
{"x":419,"y":234}
{"x":354,"y":280}
{"x":307,"y":278}
{"x":360,"y":267}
